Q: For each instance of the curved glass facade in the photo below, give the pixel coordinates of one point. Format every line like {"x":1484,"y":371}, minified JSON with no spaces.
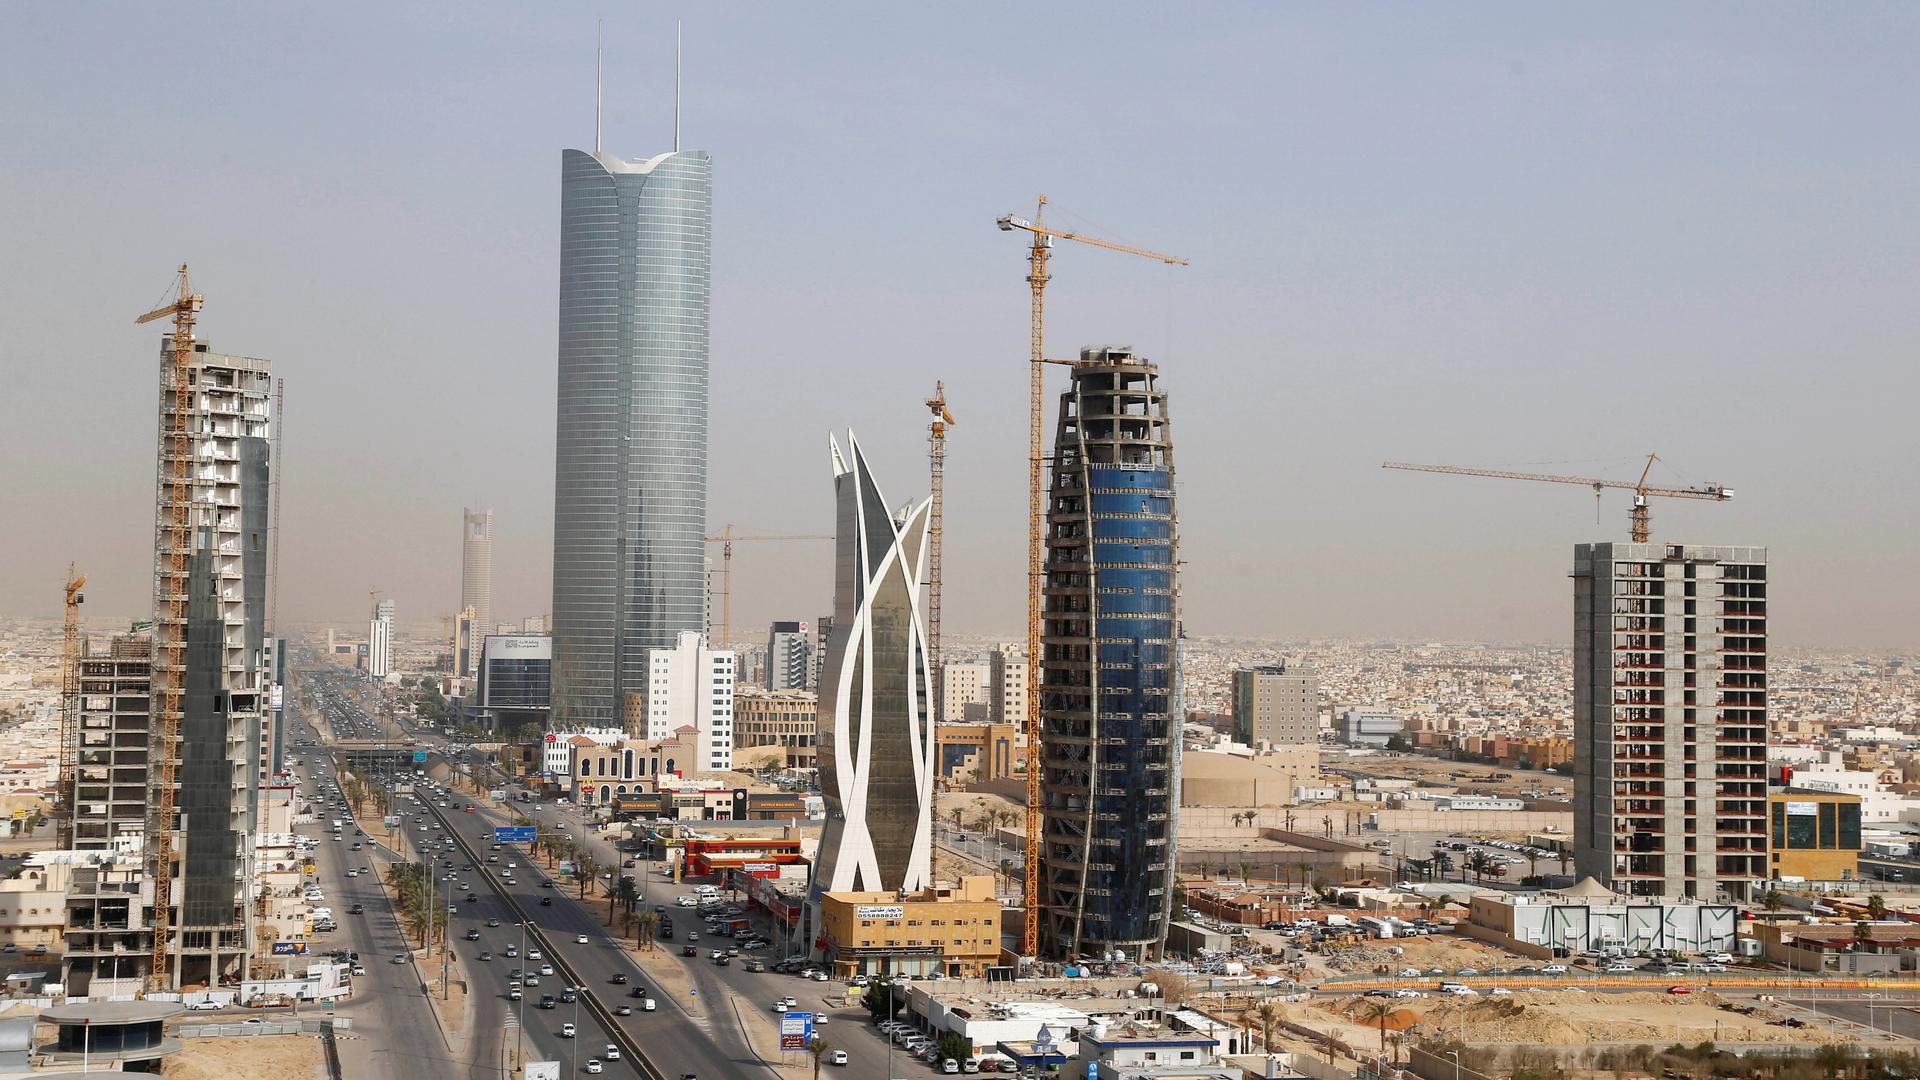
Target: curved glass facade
{"x":1109,"y":685}
{"x":630,"y":475}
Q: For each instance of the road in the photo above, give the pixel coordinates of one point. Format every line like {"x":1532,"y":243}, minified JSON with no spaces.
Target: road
{"x":720,"y":1047}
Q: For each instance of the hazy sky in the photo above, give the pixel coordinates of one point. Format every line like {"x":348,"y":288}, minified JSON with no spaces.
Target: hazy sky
{"x":1524,"y":235}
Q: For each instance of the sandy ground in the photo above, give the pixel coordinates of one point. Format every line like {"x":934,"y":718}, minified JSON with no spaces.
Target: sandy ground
{"x":1565,"y":1019}
{"x":1437,"y":950}
{"x":268,"y":1057}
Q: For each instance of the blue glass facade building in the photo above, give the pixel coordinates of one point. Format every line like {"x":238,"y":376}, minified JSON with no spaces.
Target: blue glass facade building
{"x":630,"y":476}
{"x":1109,"y":681}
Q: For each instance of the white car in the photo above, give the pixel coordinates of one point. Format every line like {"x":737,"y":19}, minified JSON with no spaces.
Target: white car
{"x":1720,"y":958}
{"x":594,"y":1066}
{"x":646,"y":1005}
{"x":1554,"y":969}
{"x":567,"y":1030}
{"x":837,"y":1057}
{"x":580,"y":939}
{"x":203,"y":1006}
{"x":686,"y":901}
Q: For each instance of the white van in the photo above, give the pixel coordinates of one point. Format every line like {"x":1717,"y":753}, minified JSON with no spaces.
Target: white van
{"x":707,"y":890}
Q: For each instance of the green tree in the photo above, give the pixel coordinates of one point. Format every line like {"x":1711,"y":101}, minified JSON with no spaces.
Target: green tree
{"x":1876,"y":907}
{"x":1268,"y":1014}
{"x":1775,"y":898}
{"x":627,"y":891}
{"x":1398,"y":743}
{"x":1377,"y":1013}
{"x":955,"y":1046}
{"x":879,"y":1000}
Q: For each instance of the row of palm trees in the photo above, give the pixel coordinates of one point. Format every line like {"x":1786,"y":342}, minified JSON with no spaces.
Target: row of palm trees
{"x":420,"y":908}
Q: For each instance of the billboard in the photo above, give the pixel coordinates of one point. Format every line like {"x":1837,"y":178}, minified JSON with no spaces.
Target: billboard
{"x":515,"y":834}
{"x":879,"y":911}
{"x":796,"y":1030}
{"x":1803,"y":809}
{"x":518,"y":647}
{"x":540,"y":1070}
{"x":289,"y":948}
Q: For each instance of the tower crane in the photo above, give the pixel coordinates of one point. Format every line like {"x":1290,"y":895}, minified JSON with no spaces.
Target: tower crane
{"x":170,"y":623}
{"x":937,"y":484}
{"x":726,"y":539}
{"x":1639,"y":516}
{"x":67,"y":775}
{"x":1038,"y":254}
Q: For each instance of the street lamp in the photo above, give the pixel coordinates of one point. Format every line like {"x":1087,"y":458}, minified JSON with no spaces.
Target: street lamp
{"x":1455,"y":1055}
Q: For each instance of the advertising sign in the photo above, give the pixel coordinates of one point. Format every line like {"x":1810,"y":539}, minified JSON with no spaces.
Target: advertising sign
{"x":796,"y":1030}
{"x":879,"y":911}
{"x":515,"y":834}
{"x":289,"y":948}
{"x":760,"y":867}
{"x":541,"y":1070}
{"x":391,"y":821}
{"x":1803,"y":809}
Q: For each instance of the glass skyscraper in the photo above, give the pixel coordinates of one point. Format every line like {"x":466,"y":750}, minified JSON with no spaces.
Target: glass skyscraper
{"x":630,"y":475}
{"x":1109,"y":694}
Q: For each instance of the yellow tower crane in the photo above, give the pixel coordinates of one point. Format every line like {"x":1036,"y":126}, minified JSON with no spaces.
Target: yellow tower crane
{"x":1038,"y":253}
{"x":67,"y":775}
{"x":1639,"y":516}
{"x":727,"y":539}
{"x":170,"y":622}
{"x":937,"y":485}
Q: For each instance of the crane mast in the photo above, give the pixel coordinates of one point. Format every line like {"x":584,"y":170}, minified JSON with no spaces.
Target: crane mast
{"x":67,"y":774}
{"x":1039,"y":252}
{"x":937,"y":484}
{"x":170,"y":622}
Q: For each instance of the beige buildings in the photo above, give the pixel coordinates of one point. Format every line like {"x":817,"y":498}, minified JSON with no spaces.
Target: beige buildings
{"x":962,"y":685}
{"x":953,"y":930}
{"x":1276,"y":705}
{"x":1007,"y":687}
{"x":783,"y":718}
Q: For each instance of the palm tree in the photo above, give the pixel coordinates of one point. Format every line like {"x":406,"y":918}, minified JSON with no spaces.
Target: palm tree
{"x":628,"y":892}
{"x":1269,"y":1015}
{"x":1533,"y":864}
{"x":1246,"y":871}
{"x":1774,"y":899}
{"x":1876,"y":907}
{"x":1863,"y":931}
{"x":1377,"y":1013}
{"x":1479,"y":863}
{"x":1564,"y":860}
{"x":1203,"y":866}
{"x":818,"y":1048}
{"x":644,"y":923}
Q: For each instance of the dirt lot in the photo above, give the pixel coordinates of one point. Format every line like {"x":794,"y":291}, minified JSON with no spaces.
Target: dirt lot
{"x":1439,"y":950}
{"x":1565,"y":1018}
{"x":268,"y":1057}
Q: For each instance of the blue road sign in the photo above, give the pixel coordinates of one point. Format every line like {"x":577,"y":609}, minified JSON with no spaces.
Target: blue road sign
{"x":515,"y":834}
{"x":419,"y":757}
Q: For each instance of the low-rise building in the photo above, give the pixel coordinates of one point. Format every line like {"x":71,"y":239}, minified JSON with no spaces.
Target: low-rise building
{"x":1589,"y":916}
{"x":1814,"y":835}
{"x":974,"y":752}
{"x":1368,"y":727}
{"x":946,"y":929}
{"x":788,"y":719}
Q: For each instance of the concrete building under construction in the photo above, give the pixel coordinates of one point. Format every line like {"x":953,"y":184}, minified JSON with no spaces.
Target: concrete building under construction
{"x":226,"y":679}
{"x":1109,"y":690}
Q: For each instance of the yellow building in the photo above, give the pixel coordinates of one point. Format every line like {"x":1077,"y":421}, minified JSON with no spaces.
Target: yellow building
{"x":950,"y":929}
{"x":1814,"y":835}
{"x":975,"y":751}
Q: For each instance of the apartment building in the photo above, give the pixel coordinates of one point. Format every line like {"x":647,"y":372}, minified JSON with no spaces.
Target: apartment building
{"x":1670,"y":718}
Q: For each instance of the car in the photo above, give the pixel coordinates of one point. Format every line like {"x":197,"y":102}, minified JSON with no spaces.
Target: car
{"x":568,"y":1030}
{"x":1407,"y":992}
{"x":473,"y":935}
{"x":546,"y":901}
{"x":1554,"y":969}
{"x":513,"y":950}
{"x":836,"y":1057}
{"x":547,"y":1002}
{"x":691,"y":936}
{"x":513,"y":993}
{"x":546,"y":969}
{"x":534,"y":954}
{"x":646,"y":1005}
{"x":619,"y":978}
{"x":486,"y":956}
{"x":357,"y":909}
{"x":546,"y":884}
{"x":1500,"y":991}
{"x":1467,"y":971}
{"x":821,"y":976}
{"x":492,"y":923}
{"x":398,"y":958}
{"x":623,"y":1010}
{"x":1617,"y":968}
{"x":950,"y":1066}
{"x":593,"y":1066}
{"x":1679,"y":990}
{"x":1720,"y":958}
{"x":532,"y":979}
{"x":203,"y":1006}
{"x":637,"y":992}
{"x":611,"y":1053}
{"x":568,"y":997}
{"x":780,"y":1006}
{"x":689,"y":950}
{"x":580,"y":939}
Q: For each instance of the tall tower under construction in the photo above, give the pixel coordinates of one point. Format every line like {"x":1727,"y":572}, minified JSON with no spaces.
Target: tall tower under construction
{"x":226,"y":677}
{"x":1670,"y":718}
{"x":1108,"y":700}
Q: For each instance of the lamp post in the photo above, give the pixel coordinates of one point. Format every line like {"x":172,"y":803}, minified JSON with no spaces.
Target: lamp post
{"x":1455,"y":1055}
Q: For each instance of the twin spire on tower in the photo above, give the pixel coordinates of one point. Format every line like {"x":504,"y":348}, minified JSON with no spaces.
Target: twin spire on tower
{"x":600,"y":79}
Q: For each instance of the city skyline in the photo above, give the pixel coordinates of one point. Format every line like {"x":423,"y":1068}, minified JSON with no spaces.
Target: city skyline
{"x":1562,"y":208}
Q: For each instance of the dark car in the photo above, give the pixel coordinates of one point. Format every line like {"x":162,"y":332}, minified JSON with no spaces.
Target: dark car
{"x":546,"y":901}
{"x":637,"y":992}
{"x":547,"y":1002}
{"x":619,"y":978}
{"x":689,"y":950}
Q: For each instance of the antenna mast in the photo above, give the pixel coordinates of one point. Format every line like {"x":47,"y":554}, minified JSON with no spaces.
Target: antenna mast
{"x":676,"y":86}
{"x":599,"y":80}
